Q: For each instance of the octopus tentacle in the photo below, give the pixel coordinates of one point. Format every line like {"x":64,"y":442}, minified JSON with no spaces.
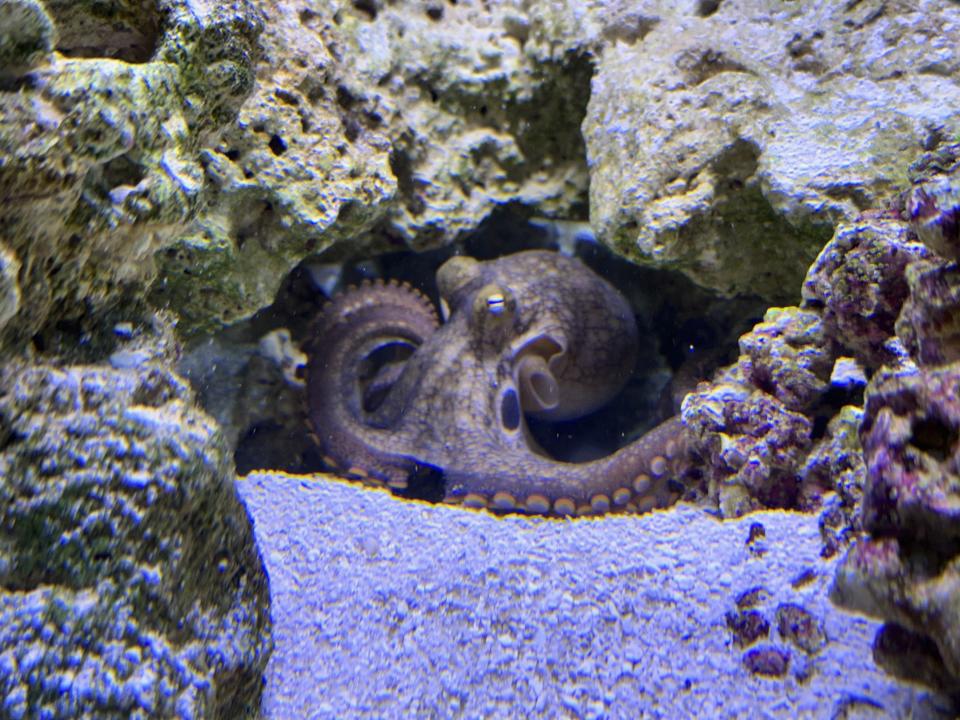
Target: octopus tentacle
{"x":533,"y":333}
{"x":349,"y":329}
{"x":635,"y":478}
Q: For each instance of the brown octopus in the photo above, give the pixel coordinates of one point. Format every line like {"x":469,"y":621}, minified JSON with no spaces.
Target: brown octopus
{"x":532,"y":333}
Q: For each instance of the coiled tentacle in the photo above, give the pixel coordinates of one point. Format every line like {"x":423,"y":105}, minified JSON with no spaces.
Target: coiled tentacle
{"x":534,"y":332}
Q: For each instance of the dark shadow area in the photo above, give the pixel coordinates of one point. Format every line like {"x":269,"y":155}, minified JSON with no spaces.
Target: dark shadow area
{"x":112,"y":29}
{"x":685,"y":334}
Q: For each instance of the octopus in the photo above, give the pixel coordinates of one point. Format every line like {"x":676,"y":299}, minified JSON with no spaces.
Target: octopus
{"x":392,"y":390}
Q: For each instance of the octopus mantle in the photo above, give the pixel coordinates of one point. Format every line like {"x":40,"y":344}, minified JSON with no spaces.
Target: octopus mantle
{"x":531,"y":334}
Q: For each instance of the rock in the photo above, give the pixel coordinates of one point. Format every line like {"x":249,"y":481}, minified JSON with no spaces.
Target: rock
{"x":100,"y":165}
{"x":908,"y":571}
{"x":929,"y":321}
{"x":700,"y":137}
{"x":129,"y":580}
{"x":858,"y":282}
{"x":790,"y":356}
{"x":9,"y":285}
{"x":752,"y":446}
{"x":832,"y":480}
{"x":27,"y":37}
{"x":932,"y":205}
{"x":730,"y":137}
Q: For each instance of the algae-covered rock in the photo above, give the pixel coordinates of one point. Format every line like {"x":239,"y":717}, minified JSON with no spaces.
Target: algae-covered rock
{"x":929,"y":321}
{"x":100,"y":163}
{"x":729,"y":137}
{"x":130,"y":585}
{"x":832,"y":480}
{"x":790,"y":356}
{"x":858,"y":281}
{"x":376,"y":127}
{"x":753,"y":446}
{"x":9,"y":286}
{"x":907,"y":571}
{"x":932,"y":205}
{"x":721,"y":139}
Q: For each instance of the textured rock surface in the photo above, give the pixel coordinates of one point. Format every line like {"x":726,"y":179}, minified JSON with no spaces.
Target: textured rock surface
{"x":858,"y":281}
{"x":752,"y":446}
{"x":27,"y":36}
{"x":130,"y":585}
{"x":714,"y":134}
{"x":394,"y":609}
{"x":709,"y":141}
{"x":790,"y":356}
{"x":832,"y":479}
{"x":907,"y":572}
{"x":99,"y":147}
{"x":381,"y":126}
{"x":933,"y":203}
{"x":929,"y":322}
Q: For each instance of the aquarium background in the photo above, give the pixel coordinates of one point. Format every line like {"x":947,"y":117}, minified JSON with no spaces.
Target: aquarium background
{"x":186,"y":187}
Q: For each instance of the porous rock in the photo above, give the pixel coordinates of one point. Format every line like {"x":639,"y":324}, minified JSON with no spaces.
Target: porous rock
{"x":9,"y":285}
{"x":929,"y":321}
{"x":932,"y":205}
{"x":790,"y":356}
{"x":858,"y":281}
{"x":99,"y":147}
{"x":27,"y":36}
{"x":715,"y":137}
{"x":832,"y":480}
{"x":130,"y":585}
{"x":752,"y":445}
{"x":907,"y":570}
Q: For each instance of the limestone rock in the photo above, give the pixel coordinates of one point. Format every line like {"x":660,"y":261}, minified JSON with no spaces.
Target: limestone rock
{"x":859,"y":283}
{"x":27,"y":36}
{"x":907,"y":571}
{"x":730,"y":137}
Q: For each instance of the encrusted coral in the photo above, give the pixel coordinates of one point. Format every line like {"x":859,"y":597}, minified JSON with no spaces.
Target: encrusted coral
{"x":752,"y":443}
{"x":753,"y":426}
{"x":790,"y":356}
{"x":932,"y":205}
{"x":908,"y":571}
{"x":929,"y":323}
{"x":858,"y":283}
{"x":128,"y":570}
{"x":832,"y":480}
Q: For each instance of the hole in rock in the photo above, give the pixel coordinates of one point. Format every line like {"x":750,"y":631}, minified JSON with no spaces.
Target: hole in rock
{"x":934,"y":437}
{"x":121,"y":31}
{"x":706,"y":8}
{"x":684,"y":334}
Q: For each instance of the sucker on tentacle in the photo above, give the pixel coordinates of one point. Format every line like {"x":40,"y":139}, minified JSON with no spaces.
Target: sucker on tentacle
{"x":531,"y":333}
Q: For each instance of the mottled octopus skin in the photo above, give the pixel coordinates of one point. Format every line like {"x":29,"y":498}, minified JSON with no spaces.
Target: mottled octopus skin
{"x":531,"y":333}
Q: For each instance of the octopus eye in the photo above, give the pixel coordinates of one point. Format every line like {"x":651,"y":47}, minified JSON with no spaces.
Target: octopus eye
{"x":496,"y":303}
{"x":510,"y":410}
